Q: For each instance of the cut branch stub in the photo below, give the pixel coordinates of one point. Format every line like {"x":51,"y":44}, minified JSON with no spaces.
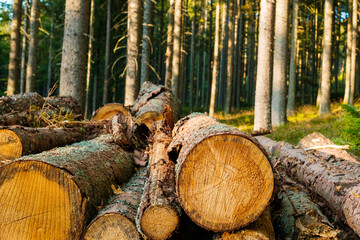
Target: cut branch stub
{"x":51,"y":195}
{"x":224,"y":179}
{"x":108,"y":111}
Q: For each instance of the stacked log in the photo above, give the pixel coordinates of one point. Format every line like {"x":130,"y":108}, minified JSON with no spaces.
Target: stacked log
{"x":108,"y":111}
{"x":224,"y":180}
{"x":51,"y":195}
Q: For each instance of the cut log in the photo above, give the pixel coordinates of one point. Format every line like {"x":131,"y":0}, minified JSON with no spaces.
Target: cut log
{"x":261,"y":229}
{"x":159,"y":210}
{"x":339,"y":189}
{"x":317,"y":140}
{"x":65,"y":105}
{"x":20,"y":102}
{"x":224,"y":180}
{"x":18,"y":141}
{"x":117,"y":219}
{"x":108,"y":111}
{"x":16,"y":118}
{"x":51,"y":195}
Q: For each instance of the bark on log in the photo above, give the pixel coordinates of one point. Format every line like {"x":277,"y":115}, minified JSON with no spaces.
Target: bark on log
{"x":51,"y":195}
{"x":18,"y":141}
{"x":65,"y":105}
{"x":261,"y":229}
{"x":339,"y":189}
{"x":20,"y":102}
{"x":224,"y":179}
{"x":159,"y":210}
{"x":317,"y":139}
{"x":117,"y":219}
{"x":108,"y":111}
{"x":16,"y":118}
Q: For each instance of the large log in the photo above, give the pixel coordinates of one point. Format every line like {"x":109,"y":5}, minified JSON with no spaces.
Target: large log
{"x":20,"y":102}
{"x":65,"y":105}
{"x":159,"y":210}
{"x":339,"y":189}
{"x":17,"y":141}
{"x":15,"y":118}
{"x":117,"y":219}
{"x":108,"y":111}
{"x":51,"y":195}
{"x":223,"y":178}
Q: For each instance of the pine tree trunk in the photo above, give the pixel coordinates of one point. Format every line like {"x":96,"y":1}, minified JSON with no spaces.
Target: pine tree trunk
{"x":348,"y":54}
{"x":89,"y":59}
{"x":33,"y":46}
{"x":170,"y":42}
{"x":216,"y":60}
{"x":147,"y":39}
{"x":48,"y":86}
{"x":14,"y":58}
{"x":210,"y":58}
{"x":354,"y":30}
{"x":94,"y":93}
{"x":107,"y":54}
{"x":23,"y":49}
{"x":68,"y":182}
{"x":160,"y":49}
{"x":73,"y":62}
{"x":204,"y":67}
{"x":175,"y":73}
{"x":326,"y":61}
{"x":222,"y":66}
{"x":278,"y":103}
{"x":192,"y":60}
{"x":264,"y":70}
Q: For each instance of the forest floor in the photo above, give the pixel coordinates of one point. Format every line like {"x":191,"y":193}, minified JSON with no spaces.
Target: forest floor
{"x":304,"y":121}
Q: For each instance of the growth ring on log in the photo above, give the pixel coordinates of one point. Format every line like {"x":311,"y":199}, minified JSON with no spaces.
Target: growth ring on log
{"x":35,"y":194}
{"x":108,"y":111}
{"x":10,"y":145}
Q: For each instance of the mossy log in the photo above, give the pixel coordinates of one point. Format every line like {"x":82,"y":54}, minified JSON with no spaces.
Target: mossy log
{"x":159,"y":210}
{"x":20,"y":102}
{"x":17,"y":141}
{"x":51,"y":195}
{"x":117,"y":219}
{"x":65,"y":105}
{"x":318,"y":140}
{"x":339,"y":189}
{"x":224,"y":180}
{"x":108,"y":111}
{"x":261,"y":229}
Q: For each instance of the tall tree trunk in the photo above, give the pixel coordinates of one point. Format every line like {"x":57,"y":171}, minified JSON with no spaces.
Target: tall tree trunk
{"x":348,"y":54}
{"x":337,"y":46}
{"x":73,"y":63}
{"x":90,"y":51}
{"x":50,"y":49}
{"x":14,"y":57}
{"x":133,"y":42}
{"x":33,"y":46}
{"x":354,"y":30}
{"x":224,"y":36}
{"x":23,"y":50}
{"x":210,"y":58}
{"x":251,"y":58}
{"x":175,"y":73}
{"x":204,"y":67}
{"x":148,"y":30}
{"x":192,"y":60}
{"x":278,"y":103}
{"x":216,"y":60}
{"x":326,"y":62}
{"x":94,"y":107}
{"x":264,"y":72}
{"x":230,"y":55}
{"x":160,"y":55}
{"x":170,"y":42}
{"x":107,"y":54}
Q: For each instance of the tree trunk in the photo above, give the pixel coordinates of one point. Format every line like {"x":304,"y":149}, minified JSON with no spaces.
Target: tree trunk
{"x":160,"y":51}
{"x":23,"y":49}
{"x":33,"y":46}
{"x":264,"y":70}
{"x":20,"y":102}
{"x":326,"y":61}
{"x":210,"y":58}
{"x":175,"y":79}
{"x":212,"y":159}
{"x":117,"y":218}
{"x":48,"y":86}
{"x":293,"y":52}
{"x":170,"y":41}
{"x":147,"y":39}
{"x":68,"y":182}
{"x":14,"y":58}
{"x":216,"y":60}
{"x":192,"y":60}
{"x":73,"y":62}
{"x":107,"y":54}
{"x":108,"y":111}
{"x":348,"y":53}
{"x":223,"y":59}
{"x":354,"y":30}
{"x":204,"y":67}
{"x":94,"y":93}
{"x":278,"y":103}
{"x":90,"y":52}
{"x":337,"y":188}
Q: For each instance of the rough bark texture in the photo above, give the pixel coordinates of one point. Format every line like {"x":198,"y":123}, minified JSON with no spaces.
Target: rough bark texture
{"x":65,"y":105}
{"x":14,"y":57}
{"x":326,"y":59}
{"x":348,"y":54}
{"x":264,"y":70}
{"x":159,"y":203}
{"x":278,"y":103}
{"x":19,"y":141}
{"x":20,"y":102}
{"x":175,"y":73}
{"x":354,"y":31}
{"x":109,"y":110}
{"x":69,"y":182}
{"x":338,"y":188}
{"x":318,"y":140}
{"x":169,"y":46}
{"x":212,"y":159}
{"x":73,"y":62}
{"x":117,"y":218}
{"x":147,"y":38}
{"x":16,"y":118}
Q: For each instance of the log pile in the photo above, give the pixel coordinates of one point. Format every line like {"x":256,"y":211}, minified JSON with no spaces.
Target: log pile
{"x":143,"y":173}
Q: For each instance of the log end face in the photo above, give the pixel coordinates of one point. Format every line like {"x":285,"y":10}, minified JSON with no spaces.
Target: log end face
{"x":159,"y":222}
{"x":225,"y":183}
{"x":39,"y":201}
{"x":149,"y":118}
{"x":108,"y":111}
{"x":10,"y":145}
{"x":112,"y":226}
